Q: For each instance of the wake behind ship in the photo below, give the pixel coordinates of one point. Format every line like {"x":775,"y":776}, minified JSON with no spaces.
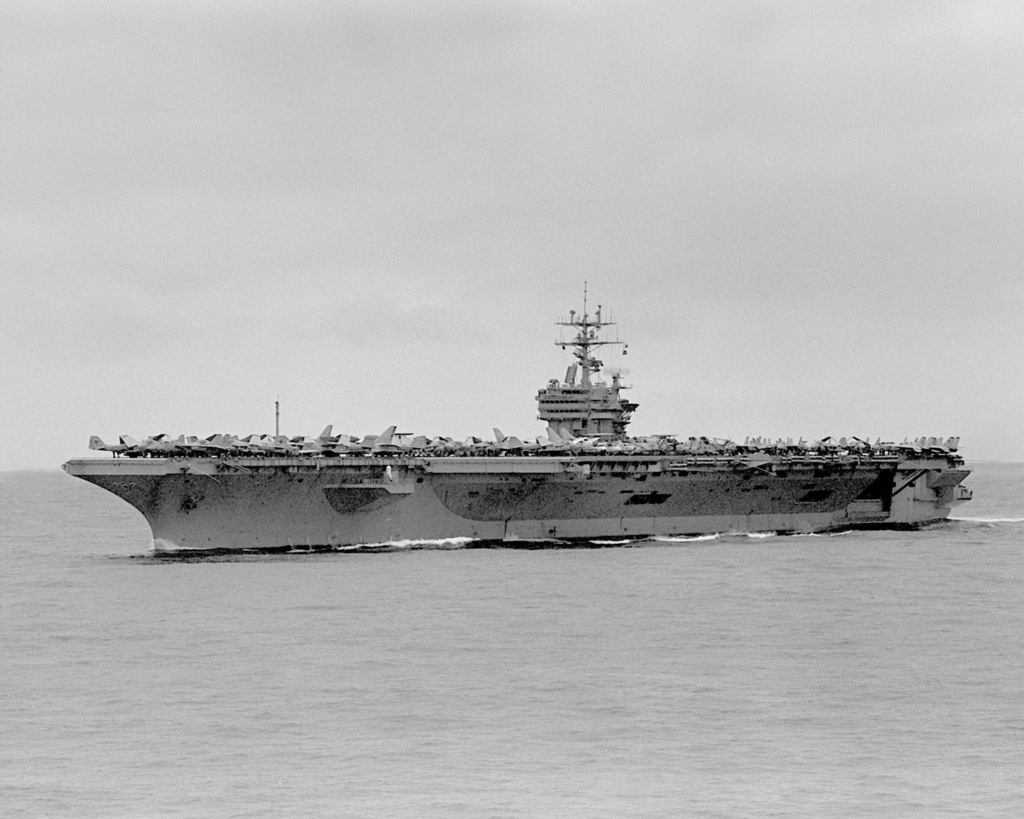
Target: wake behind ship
{"x":585,"y":480}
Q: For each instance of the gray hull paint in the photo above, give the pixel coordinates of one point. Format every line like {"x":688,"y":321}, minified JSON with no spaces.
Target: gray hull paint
{"x":275,"y":503}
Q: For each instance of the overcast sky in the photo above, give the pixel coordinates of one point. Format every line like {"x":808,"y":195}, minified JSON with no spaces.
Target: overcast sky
{"x":807,"y":216}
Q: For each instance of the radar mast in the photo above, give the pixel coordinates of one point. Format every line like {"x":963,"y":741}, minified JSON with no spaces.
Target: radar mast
{"x":587,"y":328}
{"x":590,"y":408}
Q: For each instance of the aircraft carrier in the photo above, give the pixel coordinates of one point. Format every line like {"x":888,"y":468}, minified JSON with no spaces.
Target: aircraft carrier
{"x":584,"y":482}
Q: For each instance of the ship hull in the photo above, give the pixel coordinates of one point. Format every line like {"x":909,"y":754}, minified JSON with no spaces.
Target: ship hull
{"x":267,"y":504}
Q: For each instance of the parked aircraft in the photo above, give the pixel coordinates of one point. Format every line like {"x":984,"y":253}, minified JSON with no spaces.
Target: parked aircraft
{"x":556,"y":441}
{"x":95,"y":442}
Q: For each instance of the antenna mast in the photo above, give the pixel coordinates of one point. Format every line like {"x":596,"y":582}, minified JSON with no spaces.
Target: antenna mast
{"x":587,"y":329}
{"x":588,"y":408}
{"x":277,"y":417}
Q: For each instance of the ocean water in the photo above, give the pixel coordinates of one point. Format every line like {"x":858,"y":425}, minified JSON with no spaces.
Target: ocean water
{"x":863,"y":674}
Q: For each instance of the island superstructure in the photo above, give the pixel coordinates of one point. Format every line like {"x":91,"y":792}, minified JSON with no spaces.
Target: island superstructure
{"x":585,"y":480}
{"x":590,"y":408}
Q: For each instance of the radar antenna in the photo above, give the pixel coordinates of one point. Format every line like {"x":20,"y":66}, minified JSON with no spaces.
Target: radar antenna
{"x":587,"y":339}
{"x":590,"y":408}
